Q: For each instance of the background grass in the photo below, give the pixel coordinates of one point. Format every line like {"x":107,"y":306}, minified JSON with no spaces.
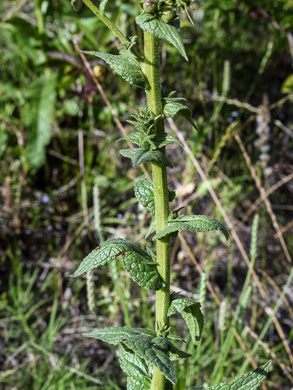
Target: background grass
{"x":57,"y":142}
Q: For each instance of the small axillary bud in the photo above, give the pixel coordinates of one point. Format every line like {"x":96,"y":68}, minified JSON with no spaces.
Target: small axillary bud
{"x":150,"y":6}
{"x":169,"y":14}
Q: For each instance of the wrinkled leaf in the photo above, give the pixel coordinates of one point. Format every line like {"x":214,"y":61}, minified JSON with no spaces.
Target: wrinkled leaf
{"x":144,"y":193}
{"x":193,"y":223}
{"x":135,"y":384}
{"x":176,"y":354}
{"x":173,"y":108}
{"x":250,"y":381}
{"x":143,"y":155}
{"x":168,"y":31}
{"x":115,"y":335}
{"x":145,"y":348}
{"x":136,"y":261}
{"x":136,"y":138}
{"x":190,"y":311}
{"x":125,"y":65}
{"x":134,"y":366}
{"x":160,"y":140}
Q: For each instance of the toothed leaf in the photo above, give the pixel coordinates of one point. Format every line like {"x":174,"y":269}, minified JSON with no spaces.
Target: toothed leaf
{"x":136,"y":138}
{"x":125,"y":65}
{"x":250,"y":381}
{"x":116,"y":335}
{"x":160,"y":140}
{"x":134,"y":366}
{"x":173,"y":108}
{"x":143,"y":155}
{"x":168,"y":31}
{"x":190,"y":311}
{"x":136,"y":261}
{"x":145,"y":348}
{"x":193,"y":223}
{"x":176,"y":354}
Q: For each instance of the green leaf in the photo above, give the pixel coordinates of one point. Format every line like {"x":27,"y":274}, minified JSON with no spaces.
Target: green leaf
{"x":134,"y":366}
{"x":135,"y":384}
{"x":250,"y":381}
{"x":143,"y":155}
{"x":145,"y":347}
{"x":176,"y":354}
{"x":125,"y":65}
{"x":38,"y":117}
{"x":136,"y":261}
{"x":117,"y":334}
{"x":144,"y":193}
{"x":190,"y":311}
{"x":193,"y":223}
{"x":173,"y":108}
{"x":136,"y":138}
{"x":160,"y":140}
{"x":168,"y":31}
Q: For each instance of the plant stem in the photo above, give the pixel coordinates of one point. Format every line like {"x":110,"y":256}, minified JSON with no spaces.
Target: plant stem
{"x":115,"y":30}
{"x":152,"y":51}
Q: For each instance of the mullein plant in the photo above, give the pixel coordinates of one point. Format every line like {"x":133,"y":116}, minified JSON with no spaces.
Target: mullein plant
{"x":146,"y":355}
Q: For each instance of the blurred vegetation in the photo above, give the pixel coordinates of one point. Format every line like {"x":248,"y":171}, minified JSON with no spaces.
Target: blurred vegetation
{"x":57,"y":140}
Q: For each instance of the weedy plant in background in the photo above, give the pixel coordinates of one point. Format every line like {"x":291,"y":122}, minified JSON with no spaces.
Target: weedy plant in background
{"x":146,"y":355}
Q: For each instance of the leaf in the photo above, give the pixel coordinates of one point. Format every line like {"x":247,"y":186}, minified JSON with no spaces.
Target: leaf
{"x":133,"y":365}
{"x":117,"y":334}
{"x":136,"y":261}
{"x":176,"y":354}
{"x":173,"y":108}
{"x":190,"y":311}
{"x":144,"y":193}
{"x":142,"y":155}
{"x":77,"y":4}
{"x":160,"y":140}
{"x":250,"y":381}
{"x":136,"y":138}
{"x":38,"y":117}
{"x":193,"y":223}
{"x":145,"y":348}
{"x":125,"y":65}
{"x":135,"y":384}
{"x":168,"y":31}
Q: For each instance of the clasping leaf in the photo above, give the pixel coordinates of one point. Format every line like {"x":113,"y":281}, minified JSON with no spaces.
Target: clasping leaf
{"x":173,"y":108}
{"x":143,"y":155}
{"x":168,"y":31}
{"x":193,"y":223}
{"x":136,"y":261}
{"x":125,"y":65}
{"x":191,"y":312}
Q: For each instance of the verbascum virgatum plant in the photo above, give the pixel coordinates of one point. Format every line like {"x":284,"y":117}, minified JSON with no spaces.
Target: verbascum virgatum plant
{"x":146,"y":355}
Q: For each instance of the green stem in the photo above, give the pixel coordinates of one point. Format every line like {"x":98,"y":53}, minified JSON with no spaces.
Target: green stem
{"x":115,"y":30}
{"x":152,"y":51}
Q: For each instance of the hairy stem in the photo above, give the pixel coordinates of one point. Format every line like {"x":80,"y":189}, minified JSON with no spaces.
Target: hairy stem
{"x":152,"y":51}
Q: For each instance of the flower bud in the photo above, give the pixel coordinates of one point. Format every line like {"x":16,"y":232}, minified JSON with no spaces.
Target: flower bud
{"x":150,"y":6}
{"x":169,"y":15}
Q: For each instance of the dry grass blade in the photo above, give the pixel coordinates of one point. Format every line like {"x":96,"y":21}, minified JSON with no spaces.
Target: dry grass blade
{"x":231,"y":227}
{"x":265,"y":198}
